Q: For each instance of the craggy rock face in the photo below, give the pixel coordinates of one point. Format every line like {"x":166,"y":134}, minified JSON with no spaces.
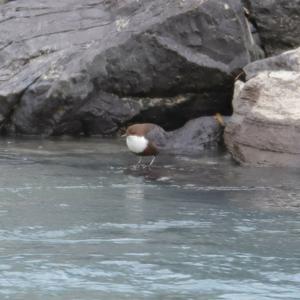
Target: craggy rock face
{"x":265,"y":127}
{"x":83,"y":66}
{"x":278,"y":23}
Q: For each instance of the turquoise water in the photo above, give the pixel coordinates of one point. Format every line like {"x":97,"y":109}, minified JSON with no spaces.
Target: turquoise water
{"x":78,"y":222}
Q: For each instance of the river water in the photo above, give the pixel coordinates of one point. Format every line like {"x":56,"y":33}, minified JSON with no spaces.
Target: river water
{"x":78,"y":222}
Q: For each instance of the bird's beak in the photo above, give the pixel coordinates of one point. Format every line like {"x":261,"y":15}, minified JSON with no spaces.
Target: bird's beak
{"x":124,"y":135}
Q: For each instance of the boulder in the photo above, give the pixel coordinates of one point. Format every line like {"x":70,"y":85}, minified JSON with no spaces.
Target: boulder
{"x":265,"y":126}
{"x":287,"y":61}
{"x":83,"y":66}
{"x":195,"y":136}
{"x":277,"y":22}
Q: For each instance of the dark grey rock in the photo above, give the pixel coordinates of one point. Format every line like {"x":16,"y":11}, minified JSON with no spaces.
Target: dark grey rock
{"x":278,"y":23}
{"x":195,"y":136}
{"x":83,"y":66}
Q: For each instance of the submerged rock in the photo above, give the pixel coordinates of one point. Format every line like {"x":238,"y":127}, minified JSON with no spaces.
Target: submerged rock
{"x":72,"y":67}
{"x":265,"y":127}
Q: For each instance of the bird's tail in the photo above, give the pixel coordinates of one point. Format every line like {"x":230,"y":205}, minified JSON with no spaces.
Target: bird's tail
{"x":220,"y":119}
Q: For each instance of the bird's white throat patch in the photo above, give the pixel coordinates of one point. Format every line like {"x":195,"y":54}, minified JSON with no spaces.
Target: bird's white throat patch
{"x":136,"y":144}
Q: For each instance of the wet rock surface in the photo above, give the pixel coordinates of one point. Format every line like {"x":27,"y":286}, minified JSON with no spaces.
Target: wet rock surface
{"x":196,"y":135}
{"x":265,"y":127}
{"x":72,"y":67}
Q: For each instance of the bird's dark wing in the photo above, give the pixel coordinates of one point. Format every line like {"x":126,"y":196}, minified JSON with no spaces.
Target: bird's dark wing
{"x":158,"y":137}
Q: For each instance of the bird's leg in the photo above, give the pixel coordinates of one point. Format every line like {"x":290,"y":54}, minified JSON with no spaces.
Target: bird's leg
{"x":138,"y":163}
{"x":152,"y":161}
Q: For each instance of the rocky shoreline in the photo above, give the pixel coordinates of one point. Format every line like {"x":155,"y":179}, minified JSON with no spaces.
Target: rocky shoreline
{"x":93,"y":67}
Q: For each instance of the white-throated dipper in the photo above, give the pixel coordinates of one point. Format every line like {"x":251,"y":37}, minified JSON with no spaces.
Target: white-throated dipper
{"x":149,"y":139}
{"x":145,"y":139}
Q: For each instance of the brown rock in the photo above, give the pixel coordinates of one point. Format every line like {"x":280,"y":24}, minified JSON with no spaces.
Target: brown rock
{"x":265,"y":127}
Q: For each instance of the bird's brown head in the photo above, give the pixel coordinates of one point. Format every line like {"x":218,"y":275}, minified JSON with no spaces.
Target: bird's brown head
{"x":139,"y":129}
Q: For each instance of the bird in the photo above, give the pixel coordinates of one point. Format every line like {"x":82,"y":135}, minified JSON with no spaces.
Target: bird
{"x":146,"y":139}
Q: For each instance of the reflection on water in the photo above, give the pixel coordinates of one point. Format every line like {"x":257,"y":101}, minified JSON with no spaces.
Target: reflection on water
{"x":78,"y":222}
